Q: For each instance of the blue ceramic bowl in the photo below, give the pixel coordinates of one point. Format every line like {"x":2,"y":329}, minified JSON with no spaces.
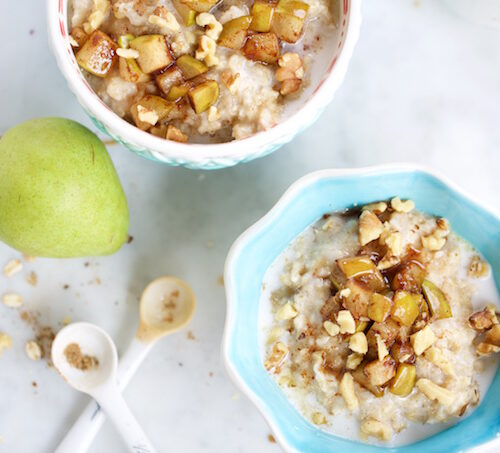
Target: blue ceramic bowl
{"x":304,"y":203}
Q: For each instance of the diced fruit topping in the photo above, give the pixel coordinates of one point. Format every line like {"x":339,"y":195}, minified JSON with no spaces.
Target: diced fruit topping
{"x":98,"y":54}
{"x":362,"y":379}
{"x":380,"y":372}
{"x":262,"y":16}
{"x":409,"y":278}
{"x":403,"y":382}
{"x":171,"y":77}
{"x":187,"y":14}
{"x":178,"y":91}
{"x":204,"y":95}
{"x":436,"y":300}
{"x":379,"y":307}
{"x":149,"y":110}
{"x":364,"y":270}
{"x":131,"y":72}
{"x":200,"y":6}
{"x":79,"y":36}
{"x":263,"y":47}
{"x":288,"y":20}
{"x":406,"y":307}
{"x":191,"y":67}
{"x":234,"y":33}
{"x":176,"y":134}
{"x":154,"y":54}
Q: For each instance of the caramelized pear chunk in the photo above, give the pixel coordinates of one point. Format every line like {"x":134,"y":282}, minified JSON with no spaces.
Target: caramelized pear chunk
{"x":150,"y":110}
{"x":178,"y":92}
{"x":380,"y":372}
{"x":171,"y":77}
{"x":188,"y":15}
{"x":357,"y":300}
{"x":262,"y":16}
{"x":364,"y":270}
{"x":98,"y":54}
{"x":191,"y":67}
{"x":234,"y":33}
{"x":404,"y":380}
{"x":402,"y":352}
{"x":362,"y":379}
{"x":388,"y":331}
{"x":405,"y":307}
{"x":200,"y":6}
{"x":409,"y":278}
{"x":131,"y":72}
{"x":79,"y":36}
{"x":153,"y":52}
{"x":436,"y":300}
{"x":288,"y":20}
{"x":263,"y":47}
{"x":379,"y":307}
{"x":204,"y":95}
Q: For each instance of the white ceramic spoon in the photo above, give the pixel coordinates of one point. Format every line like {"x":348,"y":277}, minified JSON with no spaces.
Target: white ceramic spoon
{"x":99,"y":381}
{"x":153,"y":325}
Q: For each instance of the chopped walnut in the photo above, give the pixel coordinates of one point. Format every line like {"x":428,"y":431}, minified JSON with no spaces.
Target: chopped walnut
{"x":369,"y":227}
{"x":286,"y":312}
{"x":146,"y":115}
{"x":213,"y":114}
{"x":164,"y":20}
{"x":486,"y":348}
{"x":346,"y":321}
{"x":331,"y":328}
{"x":277,"y":357}
{"x":381,"y":348}
{"x":402,"y":206}
{"x":484,"y":319}
{"x":377,"y":208}
{"x":434,"y":392}
{"x":231,"y":80}
{"x":206,"y":51}
{"x":422,"y":340}
{"x":433,"y":242}
{"x":375,"y":429}
{"x":478,"y":268}
{"x":353,"y":361}
{"x":346,"y":388}
{"x":394,"y":242}
{"x":213,"y":27}
{"x":358,"y":343}
{"x":387,"y":262}
{"x":436,"y":356}
{"x":176,"y":134}
{"x":290,"y":73}
{"x":127,"y":53}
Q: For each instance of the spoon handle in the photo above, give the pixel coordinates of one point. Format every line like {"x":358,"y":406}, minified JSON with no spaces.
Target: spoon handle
{"x":112,"y":402}
{"x":79,"y":438}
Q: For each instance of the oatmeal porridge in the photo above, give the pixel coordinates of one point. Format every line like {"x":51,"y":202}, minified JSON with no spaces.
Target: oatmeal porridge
{"x":199,"y":70}
{"x":382,"y":316}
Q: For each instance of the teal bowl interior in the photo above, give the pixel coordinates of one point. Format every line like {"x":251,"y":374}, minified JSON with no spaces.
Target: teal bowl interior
{"x":302,"y":205}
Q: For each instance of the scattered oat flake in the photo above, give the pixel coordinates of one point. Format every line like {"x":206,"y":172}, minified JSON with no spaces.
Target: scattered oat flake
{"x":190,"y":335}
{"x":66,"y":320}
{"x":33,"y":350}
{"x":29,"y":258}
{"x":32,"y":279}
{"x":98,"y":280}
{"x":220,"y":280}
{"x":12,"y":267}
{"x":271,"y":438}
{"x":12,"y":300}
{"x":5,"y":341}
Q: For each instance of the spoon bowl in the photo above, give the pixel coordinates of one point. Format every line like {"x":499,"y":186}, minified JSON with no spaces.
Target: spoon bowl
{"x":167,"y":305}
{"x":92,"y":341}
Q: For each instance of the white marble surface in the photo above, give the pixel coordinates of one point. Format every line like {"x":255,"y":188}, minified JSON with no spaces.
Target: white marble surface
{"x":423,"y":86}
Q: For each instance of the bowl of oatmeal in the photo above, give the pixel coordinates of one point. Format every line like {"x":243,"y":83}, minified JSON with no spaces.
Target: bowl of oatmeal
{"x":363,"y":313}
{"x":201,"y":83}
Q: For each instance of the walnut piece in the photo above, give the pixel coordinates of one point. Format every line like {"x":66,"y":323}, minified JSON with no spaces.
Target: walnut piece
{"x":331,"y":328}
{"x":176,"y":134}
{"x":436,"y":356}
{"x":12,"y":267}
{"x":402,"y":206}
{"x":375,"y":429}
{"x":33,"y":350}
{"x":369,"y":227}
{"x":422,"y":340}
{"x":346,"y":388}
{"x":286,"y":312}
{"x":290,"y":73}
{"x":12,"y":300}
{"x":358,"y":343}
{"x":346,"y":321}
{"x":434,"y":392}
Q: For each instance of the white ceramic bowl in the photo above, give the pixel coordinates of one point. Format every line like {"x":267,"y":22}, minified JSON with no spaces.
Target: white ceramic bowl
{"x":327,"y":73}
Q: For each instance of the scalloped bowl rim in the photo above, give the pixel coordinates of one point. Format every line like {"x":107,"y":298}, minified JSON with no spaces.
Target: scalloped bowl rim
{"x":264,"y":222}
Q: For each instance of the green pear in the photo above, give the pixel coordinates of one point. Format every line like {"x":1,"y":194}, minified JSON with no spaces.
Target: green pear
{"x":60,"y":195}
